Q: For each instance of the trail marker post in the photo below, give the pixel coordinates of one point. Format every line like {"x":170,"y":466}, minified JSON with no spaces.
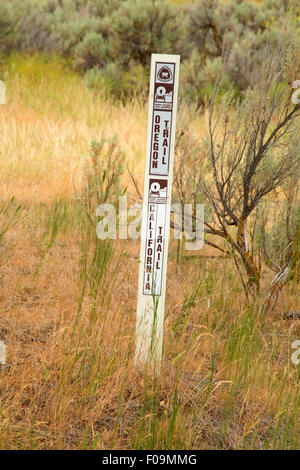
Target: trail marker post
{"x":156,"y":209}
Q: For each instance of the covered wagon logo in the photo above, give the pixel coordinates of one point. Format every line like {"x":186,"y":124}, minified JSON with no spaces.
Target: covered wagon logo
{"x":164,"y":74}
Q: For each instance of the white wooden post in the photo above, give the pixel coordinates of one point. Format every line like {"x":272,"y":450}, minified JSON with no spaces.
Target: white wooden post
{"x":2,"y":352}
{"x":156,"y":209}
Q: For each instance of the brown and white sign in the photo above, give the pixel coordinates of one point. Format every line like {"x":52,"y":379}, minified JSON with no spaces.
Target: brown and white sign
{"x":156,"y":209}
{"x":162,"y":118}
{"x":155,"y":236}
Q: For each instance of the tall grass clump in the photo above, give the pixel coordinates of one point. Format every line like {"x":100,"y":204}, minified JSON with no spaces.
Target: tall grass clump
{"x":10,"y":216}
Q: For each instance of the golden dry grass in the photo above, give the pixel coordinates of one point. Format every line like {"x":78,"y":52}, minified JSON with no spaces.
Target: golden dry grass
{"x":227,"y":379}
{"x":48,"y":124}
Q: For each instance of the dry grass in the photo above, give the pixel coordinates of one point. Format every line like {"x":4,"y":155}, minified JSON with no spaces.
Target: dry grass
{"x":48,"y":124}
{"x":227,"y":379}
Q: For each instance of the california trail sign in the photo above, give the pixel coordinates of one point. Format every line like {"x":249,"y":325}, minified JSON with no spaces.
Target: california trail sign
{"x":156,"y":209}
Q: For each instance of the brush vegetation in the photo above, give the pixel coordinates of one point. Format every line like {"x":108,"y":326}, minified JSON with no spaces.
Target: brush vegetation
{"x":111,"y":41}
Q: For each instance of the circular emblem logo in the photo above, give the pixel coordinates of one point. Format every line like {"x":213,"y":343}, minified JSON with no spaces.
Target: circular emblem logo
{"x":155,"y":187}
{"x":164,"y":74}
